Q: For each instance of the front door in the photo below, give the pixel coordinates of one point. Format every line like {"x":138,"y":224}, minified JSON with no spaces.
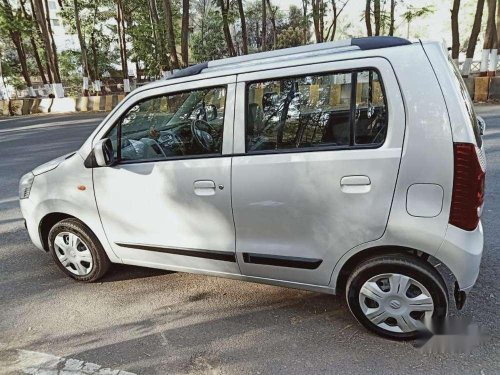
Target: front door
{"x":319,"y":160}
{"x":167,"y":200}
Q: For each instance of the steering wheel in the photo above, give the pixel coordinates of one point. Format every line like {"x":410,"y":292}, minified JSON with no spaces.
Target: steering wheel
{"x":203,"y":137}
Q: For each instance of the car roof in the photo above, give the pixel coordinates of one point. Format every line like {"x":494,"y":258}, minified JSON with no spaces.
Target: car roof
{"x":252,"y":61}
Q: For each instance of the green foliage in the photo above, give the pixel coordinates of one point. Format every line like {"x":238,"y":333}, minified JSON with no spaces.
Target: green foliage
{"x":209,"y":45}
{"x":414,"y":12}
{"x":290,"y":37}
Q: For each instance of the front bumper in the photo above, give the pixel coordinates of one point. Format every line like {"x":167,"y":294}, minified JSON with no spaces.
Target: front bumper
{"x":461,"y":252}
{"x":31,"y":223}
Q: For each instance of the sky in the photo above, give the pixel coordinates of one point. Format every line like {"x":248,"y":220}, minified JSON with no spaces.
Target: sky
{"x":435,"y":26}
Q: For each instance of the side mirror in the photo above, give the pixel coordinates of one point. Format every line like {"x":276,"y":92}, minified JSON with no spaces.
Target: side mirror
{"x":103,"y":153}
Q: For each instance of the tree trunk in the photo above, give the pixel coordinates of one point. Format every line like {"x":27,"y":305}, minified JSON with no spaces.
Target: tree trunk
{"x":15,"y":36}
{"x":376,"y":14}
{"x":170,"y":34}
{"x":83,"y":49}
{"x":159,"y":36}
{"x":154,"y":34}
{"x":123,"y":44}
{"x":264,"y":26}
{"x":34,"y":46}
{"x":52,"y":40}
{"x":273,"y":22}
{"x":476,"y":29}
{"x":392,"y":18}
{"x":18,"y":43}
{"x":43,"y":22}
{"x":455,"y":36}
{"x":224,"y":8}
{"x":185,"y":33}
{"x":316,"y":13}
{"x":305,"y":23}
{"x":368,"y":21}
{"x":244,"y":35}
{"x":490,"y":42}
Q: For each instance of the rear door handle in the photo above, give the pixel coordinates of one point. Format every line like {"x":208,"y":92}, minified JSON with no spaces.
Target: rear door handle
{"x":355,"y":184}
{"x":204,"y":187}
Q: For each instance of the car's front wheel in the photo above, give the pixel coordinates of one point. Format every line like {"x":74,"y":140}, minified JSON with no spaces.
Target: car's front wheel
{"x":393,"y":295}
{"x":77,"y":251}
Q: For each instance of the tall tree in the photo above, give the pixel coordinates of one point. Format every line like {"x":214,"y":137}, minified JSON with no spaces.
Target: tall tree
{"x":368,"y":17}
{"x":83,"y":49}
{"x":305,"y":21}
{"x":169,"y":19}
{"x":318,"y":14}
{"x":376,"y":16}
{"x":455,"y":34}
{"x":392,"y":18}
{"x":490,"y":52}
{"x":185,"y":33}
{"x":41,"y":13}
{"x":337,"y":9}
{"x":476,"y":29}
{"x":272,"y":15}
{"x":224,"y":8}
{"x":32,"y":37}
{"x":122,"y":42}
{"x":14,"y":27}
{"x":264,"y":26}
{"x":244,"y":34}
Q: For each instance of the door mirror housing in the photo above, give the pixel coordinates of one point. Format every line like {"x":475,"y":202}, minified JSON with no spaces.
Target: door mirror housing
{"x":103,"y":153}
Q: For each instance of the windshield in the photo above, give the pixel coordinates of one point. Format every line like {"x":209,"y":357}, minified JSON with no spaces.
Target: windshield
{"x":467,"y":101}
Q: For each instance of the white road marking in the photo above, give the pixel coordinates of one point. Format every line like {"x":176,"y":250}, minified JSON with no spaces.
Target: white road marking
{"x":29,"y":362}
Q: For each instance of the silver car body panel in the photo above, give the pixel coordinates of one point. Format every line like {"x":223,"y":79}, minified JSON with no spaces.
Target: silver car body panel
{"x":288,"y":204}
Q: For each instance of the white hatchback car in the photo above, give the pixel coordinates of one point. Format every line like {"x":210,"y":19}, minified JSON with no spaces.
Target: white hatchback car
{"x":344,"y":167}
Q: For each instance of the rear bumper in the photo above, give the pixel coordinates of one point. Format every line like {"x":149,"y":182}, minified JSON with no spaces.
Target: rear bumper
{"x":461,"y":252}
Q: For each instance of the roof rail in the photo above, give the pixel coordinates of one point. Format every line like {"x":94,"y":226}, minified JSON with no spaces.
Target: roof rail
{"x":366,"y":43}
{"x":376,"y":42}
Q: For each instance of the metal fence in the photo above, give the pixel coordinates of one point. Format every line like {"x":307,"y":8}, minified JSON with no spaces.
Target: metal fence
{"x":476,"y":67}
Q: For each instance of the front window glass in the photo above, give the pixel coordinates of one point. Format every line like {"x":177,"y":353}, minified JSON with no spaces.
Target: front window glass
{"x":183,"y":124}
{"x":328,"y":110}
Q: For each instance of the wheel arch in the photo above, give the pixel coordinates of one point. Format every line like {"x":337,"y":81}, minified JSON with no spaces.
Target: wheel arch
{"x":46,"y":224}
{"x":344,"y":270}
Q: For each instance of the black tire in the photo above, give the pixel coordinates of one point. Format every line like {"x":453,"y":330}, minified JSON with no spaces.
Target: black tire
{"x":100,"y":260}
{"x":404,"y":264}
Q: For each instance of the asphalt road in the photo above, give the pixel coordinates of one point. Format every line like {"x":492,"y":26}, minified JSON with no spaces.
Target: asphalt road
{"x":155,"y":322}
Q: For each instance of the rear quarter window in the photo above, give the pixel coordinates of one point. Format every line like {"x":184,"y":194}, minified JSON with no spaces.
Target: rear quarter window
{"x":466,"y":101}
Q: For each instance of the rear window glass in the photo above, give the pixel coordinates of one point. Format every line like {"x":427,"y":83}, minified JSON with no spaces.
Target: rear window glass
{"x":467,"y":102}
{"x":341,"y":109}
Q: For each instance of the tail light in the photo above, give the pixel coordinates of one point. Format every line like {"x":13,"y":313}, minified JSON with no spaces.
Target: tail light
{"x":468,"y":187}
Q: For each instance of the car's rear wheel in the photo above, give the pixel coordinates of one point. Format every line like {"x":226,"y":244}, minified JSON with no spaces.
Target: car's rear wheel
{"x":77,"y":251}
{"x":394,"y":295}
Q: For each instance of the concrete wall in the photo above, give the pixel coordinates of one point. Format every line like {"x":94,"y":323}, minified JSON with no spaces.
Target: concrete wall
{"x":483,"y":89}
{"x":18,"y":107}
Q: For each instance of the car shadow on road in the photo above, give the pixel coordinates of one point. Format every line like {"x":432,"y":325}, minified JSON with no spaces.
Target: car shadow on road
{"x":122,"y":272}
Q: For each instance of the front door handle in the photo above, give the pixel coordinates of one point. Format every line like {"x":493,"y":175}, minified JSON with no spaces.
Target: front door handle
{"x":204,"y":187}
{"x":355,"y":184}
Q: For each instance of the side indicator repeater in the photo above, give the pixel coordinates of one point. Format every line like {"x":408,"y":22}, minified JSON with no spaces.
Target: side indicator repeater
{"x":82,"y":187}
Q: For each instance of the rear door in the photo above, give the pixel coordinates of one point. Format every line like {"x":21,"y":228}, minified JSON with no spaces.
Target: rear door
{"x":318,"y":161}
